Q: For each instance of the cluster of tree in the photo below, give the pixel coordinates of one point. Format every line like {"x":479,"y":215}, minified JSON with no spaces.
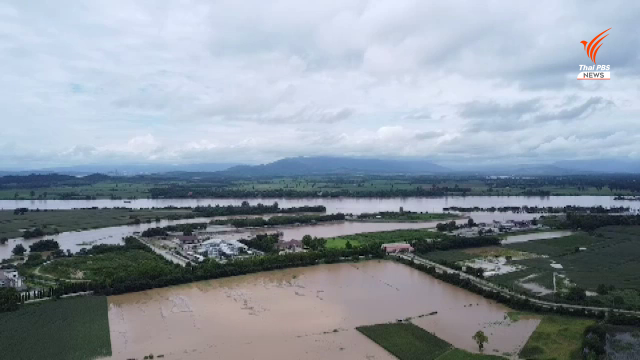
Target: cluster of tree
{"x":32,"y":233}
{"x":543,"y":209}
{"x":44,"y":245}
{"x":314,"y":243}
{"x":9,"y":299}
{"x":592,"y":222}
{"x":246,"y":209}
{"x":447,"y":227}
{"x":263,"y":242}
{"x":19,"y":250}
{"x":448,"y":242}
{"x":186,"y":229}
{"x":189,"y":191}
{"x":36,"y":181}
{"x":279,"y":220}
{"x":617,"y":182}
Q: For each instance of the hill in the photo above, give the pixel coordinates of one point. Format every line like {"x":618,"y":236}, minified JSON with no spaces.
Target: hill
{"x":323,"y":165}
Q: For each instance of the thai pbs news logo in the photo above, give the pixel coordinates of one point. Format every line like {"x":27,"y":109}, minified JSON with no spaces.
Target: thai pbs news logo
{"x":595,"y":71}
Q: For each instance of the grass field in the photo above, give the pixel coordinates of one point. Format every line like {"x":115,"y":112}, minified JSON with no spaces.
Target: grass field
{"x":100,"y":191}
{"x":449,"y":255}
{"x":610,"y":257}
{"x":383,"y":236}
{"x":457,"y":354}
{"x":357,"y":184}
{"x":68,"y":329}
{"x":53,"y":221}
{"x":556,"y":337}
{"x":407,"y":341}
{"x":105,"y":266}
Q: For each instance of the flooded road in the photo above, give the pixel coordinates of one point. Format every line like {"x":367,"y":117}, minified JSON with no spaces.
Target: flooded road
{"x":512,"y":239}
{"x":302,"y":313}
{"x":335,"y":205}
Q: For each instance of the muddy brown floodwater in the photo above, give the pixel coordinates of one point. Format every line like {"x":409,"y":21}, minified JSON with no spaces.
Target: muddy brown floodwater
{"x":302,"y":313}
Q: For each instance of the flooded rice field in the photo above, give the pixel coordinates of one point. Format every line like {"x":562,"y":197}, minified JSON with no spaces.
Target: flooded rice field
{"x":303,"y":313}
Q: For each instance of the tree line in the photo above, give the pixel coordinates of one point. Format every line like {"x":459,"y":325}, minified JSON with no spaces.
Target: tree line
{"x":592,"y":222}
{"x":278,"y":220}
{"x":259,"y":209}
{"x":543,"y":209}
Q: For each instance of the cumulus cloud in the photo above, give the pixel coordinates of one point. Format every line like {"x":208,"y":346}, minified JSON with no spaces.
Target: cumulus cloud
{"x":254,"y":81}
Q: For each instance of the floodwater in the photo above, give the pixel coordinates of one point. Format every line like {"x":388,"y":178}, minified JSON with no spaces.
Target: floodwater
{"x":303,"y":313}
{"x":535,"y":236}
{"x":335,"y":205}
{"x":74,"y":241}
{"x":340,"y":228}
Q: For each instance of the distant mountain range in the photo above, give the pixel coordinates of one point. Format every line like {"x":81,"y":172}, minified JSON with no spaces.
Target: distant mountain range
{"x":337,"y":165}
{"x":125,"y":170}
{"x":326,"y":165}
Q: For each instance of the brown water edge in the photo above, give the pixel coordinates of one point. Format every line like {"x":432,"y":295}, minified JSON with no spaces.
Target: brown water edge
{"x":303,"y":313}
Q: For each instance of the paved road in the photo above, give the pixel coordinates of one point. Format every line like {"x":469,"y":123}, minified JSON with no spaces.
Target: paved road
{"x":490,"y":286}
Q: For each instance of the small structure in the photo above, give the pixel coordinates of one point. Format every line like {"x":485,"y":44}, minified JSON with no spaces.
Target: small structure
{"x":187,"y":239}
{"x":397,"y":248}
{"x":291,"y":245}
{"x":10,"y":278}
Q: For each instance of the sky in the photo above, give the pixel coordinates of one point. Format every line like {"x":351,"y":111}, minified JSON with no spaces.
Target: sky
{"x":252,"y":81}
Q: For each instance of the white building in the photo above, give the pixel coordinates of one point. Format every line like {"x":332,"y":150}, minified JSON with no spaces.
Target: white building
{"x":10,"y":278}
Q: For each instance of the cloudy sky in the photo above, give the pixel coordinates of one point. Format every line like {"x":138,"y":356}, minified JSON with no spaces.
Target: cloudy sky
{"x":458,"y":82}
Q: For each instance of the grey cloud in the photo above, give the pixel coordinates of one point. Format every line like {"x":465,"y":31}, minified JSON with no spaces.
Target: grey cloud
{"x":492,"y":109}
{"x":426,"y":135}
{"x":253,"y":80}
{"x":587,"y":108}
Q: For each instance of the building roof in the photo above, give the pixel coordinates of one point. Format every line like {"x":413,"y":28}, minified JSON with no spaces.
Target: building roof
{"x":187,"y":238}
{"x":405,"y":245}
{"x":291,"y":243}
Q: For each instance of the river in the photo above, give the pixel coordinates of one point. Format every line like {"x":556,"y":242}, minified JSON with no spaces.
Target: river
{"x":303,"y":313}
{"x":74,"y":241}
{"x":334,"y":205}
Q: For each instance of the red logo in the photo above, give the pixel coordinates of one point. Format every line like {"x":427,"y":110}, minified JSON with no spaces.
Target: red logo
{"x":591,"y":49}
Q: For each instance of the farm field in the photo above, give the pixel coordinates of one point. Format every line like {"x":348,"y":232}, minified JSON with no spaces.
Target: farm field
{"x":68,"y":329}
{"x":383,"y":236}
{"x":610,"y":257}
{"x":107,"y":266}
{"x":102,"y":190}
{"x":54,"y":221}
{"x":458,"y":354}
{"x":358,"y":184}
{"x":556,"y":337}
{"x":408,"y":342}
